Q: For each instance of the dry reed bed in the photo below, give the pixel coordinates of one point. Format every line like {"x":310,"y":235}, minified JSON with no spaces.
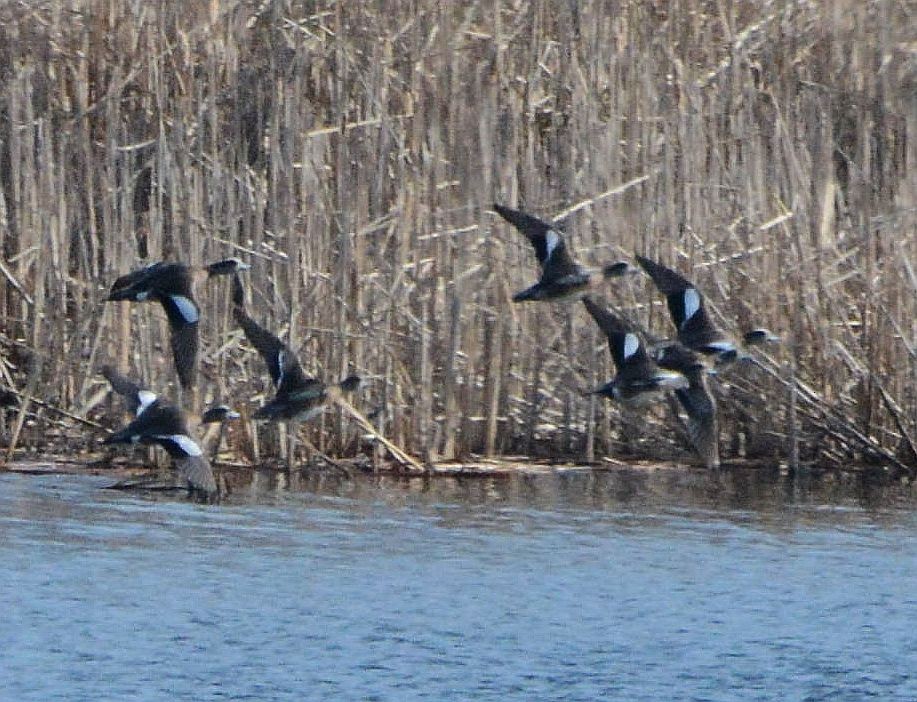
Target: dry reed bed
{"x":350,"y":152}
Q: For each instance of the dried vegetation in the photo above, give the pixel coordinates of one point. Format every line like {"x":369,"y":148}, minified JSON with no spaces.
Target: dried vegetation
{"x":350,"y":151}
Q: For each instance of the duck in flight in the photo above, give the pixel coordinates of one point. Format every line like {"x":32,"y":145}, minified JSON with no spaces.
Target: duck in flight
{"x":639,"y":379}
{"x":696,"y":400}
{"x":297,"y":397}
{"x":159,"y":422}
{"x":171,"y":285}
{"x":695,"y":329}
{"x":561,"y":277}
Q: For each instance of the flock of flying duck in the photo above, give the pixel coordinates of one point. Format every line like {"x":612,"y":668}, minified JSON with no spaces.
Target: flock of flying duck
{"x":159,"y":422}
{"x":643,"y":373}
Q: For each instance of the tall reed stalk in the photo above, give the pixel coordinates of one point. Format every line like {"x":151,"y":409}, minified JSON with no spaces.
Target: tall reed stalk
{"x":350,"y":152}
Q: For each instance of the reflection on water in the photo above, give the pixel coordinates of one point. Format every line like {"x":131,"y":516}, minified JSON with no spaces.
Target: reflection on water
{"x":576,"y":585}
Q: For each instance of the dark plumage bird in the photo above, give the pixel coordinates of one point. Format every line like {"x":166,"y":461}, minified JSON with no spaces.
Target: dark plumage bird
{"x":561,"y":277}
{"x":639,"y":379}
{"x":297,"y":397}
{"x":696,"y":400}
{"x":171,"y":285}
{"x":686,"y":305}
{"x":695,"y":328}
{"x":159,"y":422}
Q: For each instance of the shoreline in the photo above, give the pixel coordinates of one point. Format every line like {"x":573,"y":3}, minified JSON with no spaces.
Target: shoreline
{"x":52,"y":464}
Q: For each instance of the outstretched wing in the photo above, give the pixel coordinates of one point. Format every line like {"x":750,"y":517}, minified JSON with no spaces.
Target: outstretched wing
{"x":136,"y":397}
{"x":197,"y":471}
{"x":686,"y":305}
{"x":702,"y":425}
{"x":625,"y":345}
{"x":281,"y":362}
{"x":183,"y":315}
{"x":683,"y":299}
{"x":550,"y":248}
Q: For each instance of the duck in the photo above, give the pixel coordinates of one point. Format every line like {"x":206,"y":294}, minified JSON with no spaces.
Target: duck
{"x":561,"y":277}
{"x":696,"y":400}
{"x":639,"y":380}
{"x":171,"y":285}
{"x":297,"y":397}
{"x":159,"y":422}
{"x":695,"y":329}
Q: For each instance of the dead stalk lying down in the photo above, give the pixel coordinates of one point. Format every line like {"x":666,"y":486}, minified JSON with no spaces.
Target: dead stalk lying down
{"x":398,"y":454}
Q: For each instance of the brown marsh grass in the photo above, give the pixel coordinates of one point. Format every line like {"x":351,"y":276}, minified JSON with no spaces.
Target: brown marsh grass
{"x":350,"y":151}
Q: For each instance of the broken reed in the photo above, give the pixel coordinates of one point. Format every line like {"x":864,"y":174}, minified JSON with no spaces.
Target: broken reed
{"x":350,"y":152}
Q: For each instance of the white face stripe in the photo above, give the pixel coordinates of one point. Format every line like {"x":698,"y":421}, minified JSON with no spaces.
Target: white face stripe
{"x":551,"y":240}
{"x":186,"y":443}
{"x":146,"y":398}
{"x":186,"y":308}
{"x":691,"y":301}
{"x":631,"y":345}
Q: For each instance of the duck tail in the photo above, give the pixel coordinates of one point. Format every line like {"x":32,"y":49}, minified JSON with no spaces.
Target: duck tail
{"x":618,"y":269}
{"x":351,"y":383}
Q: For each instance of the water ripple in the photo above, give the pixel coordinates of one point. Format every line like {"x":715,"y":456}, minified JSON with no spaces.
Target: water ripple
{"x":574,"y":587}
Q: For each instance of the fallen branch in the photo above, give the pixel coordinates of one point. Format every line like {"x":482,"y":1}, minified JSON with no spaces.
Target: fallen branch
{"x":394,"y":450}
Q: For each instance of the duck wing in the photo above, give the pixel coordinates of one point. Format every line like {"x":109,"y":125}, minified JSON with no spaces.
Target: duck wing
{"x":137,"y":398}
{"x":281,"y":362}
{"x":686,"y":306}
{"x":170,"y":285}
{"x":550,"y":248}
{"x":624,"y":342}
{"x":703,"y":430}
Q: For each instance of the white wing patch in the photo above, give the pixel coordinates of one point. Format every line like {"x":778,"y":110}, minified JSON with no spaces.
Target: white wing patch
{"x":186,"y":308}
{"x":631,"y":345}
{"x":281,"y":355}
{"x":691,"y":301}
{"x":551,"y":240}
{"x":145,"y":398}
{"x":142,"y":295}
{"x":722,"y":346}
{"x":671,"y":379}
{"x":185,"y":443}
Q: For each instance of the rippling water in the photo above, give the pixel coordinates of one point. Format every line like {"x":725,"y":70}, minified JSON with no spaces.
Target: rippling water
{"x":573,"y":586}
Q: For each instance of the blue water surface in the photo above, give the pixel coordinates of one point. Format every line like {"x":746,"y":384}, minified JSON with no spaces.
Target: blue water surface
{"x":571,"y":586}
